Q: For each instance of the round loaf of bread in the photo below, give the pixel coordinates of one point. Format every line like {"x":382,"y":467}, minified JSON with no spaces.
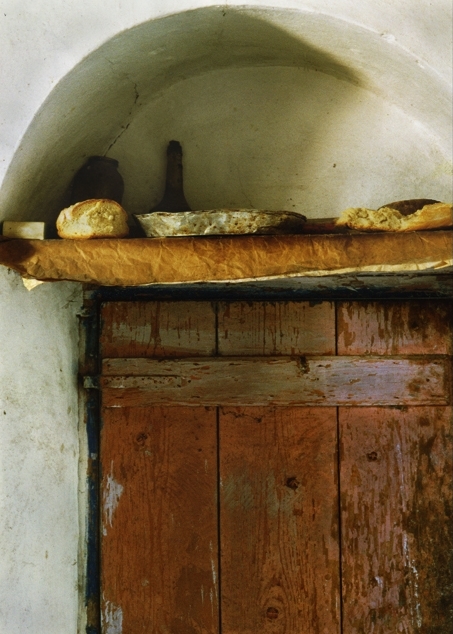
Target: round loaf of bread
{"x":95,"y":218}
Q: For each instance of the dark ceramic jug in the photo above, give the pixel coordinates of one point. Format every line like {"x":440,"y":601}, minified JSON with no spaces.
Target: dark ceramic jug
{"x":98,"y":178}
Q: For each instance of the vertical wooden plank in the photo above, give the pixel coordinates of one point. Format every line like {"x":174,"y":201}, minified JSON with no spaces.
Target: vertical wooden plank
{"x":159,"y":521}
{"x":397,"y":529}
{"x":395,"y":327}
{"x":279,"y":521}
{"x":158,"y":329}
{"x":273,"y":328}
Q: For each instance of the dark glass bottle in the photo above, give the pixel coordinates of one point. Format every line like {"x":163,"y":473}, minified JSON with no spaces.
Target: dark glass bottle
{"x":173,"y":199}
{"x":98,"y":178}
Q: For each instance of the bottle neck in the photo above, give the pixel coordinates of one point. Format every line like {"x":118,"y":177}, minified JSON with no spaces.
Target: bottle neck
{"x":173,"y":199}
{"x":174,"y":178}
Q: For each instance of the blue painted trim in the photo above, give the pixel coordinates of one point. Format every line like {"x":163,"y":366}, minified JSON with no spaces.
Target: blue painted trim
{"x":90,"y":324}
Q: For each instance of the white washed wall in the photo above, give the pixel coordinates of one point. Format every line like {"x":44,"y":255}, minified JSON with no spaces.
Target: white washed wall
{"x":265,"y":101}
{"x":38,"y":457}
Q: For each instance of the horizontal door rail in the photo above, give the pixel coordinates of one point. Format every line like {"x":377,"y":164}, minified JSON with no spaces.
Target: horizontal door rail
{"x":320,"y":380}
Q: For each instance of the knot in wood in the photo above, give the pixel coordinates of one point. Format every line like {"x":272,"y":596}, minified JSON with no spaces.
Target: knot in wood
{"x":292,"y":483}
{"x":372,"y":456}
{"x":141,"y":438}
{"x":272,"y":613}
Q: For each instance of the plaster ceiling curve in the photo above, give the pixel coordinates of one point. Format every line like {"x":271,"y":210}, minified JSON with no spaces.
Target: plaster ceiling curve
{"x":94,"y":105}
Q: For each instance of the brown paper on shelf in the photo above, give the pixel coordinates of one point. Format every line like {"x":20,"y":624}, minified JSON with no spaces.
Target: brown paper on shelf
{"x":133,"y":262}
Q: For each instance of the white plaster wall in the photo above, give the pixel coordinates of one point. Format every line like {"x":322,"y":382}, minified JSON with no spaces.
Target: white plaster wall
{"x":38,"y":457}
{"x":280,"y":138}
{"x":379,"y":110}
{"x":44,"y":39}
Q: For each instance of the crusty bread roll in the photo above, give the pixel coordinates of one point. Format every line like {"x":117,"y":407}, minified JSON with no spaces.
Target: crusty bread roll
{"x":407,"y":207}
{"x":364,"y":219}
{"x":95,"y":218}
{"x":436,"y":216}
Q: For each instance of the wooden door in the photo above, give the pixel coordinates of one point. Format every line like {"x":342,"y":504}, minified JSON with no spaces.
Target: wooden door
{"x":276,"y":467}
{"x":396,"y":477}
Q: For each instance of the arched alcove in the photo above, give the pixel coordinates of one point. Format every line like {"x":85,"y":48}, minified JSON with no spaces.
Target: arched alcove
{"x":265,"y":101}
{"x":275,"y":109}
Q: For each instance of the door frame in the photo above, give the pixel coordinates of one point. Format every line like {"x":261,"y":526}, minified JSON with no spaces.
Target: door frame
{"x":380,"y":287}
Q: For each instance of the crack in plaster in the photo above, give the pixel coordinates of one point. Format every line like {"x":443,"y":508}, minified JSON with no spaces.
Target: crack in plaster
{"x":129,"y":116}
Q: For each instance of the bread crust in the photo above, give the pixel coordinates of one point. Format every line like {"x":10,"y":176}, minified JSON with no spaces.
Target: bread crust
{"x":437,"y":216}
{"x":433,"y":216}
{"x":93,"y":218}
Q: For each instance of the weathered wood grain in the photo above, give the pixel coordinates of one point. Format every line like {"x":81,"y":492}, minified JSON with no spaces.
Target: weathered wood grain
{"x":395,"y":327}
{"x":159,"y":521}
{"x":279,"y":528}
{"x":279,"y":507}
{"x":157,"y":329}
{"x":397,"y":524}
{"x":274,"y":328}
{"x":277,"y":380}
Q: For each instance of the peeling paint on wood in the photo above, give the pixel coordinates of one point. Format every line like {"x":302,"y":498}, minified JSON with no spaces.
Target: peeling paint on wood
{"x":160,"y":554}
{"x":279,"y":475}
{"x":404,"y":327}
{"x":158,"y":329}
{"x":274,"y":328}
{"x":112,"y":619}
{"x":397,"y":522}
{"x":112,"y":492}
{"x":308,"y":381}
